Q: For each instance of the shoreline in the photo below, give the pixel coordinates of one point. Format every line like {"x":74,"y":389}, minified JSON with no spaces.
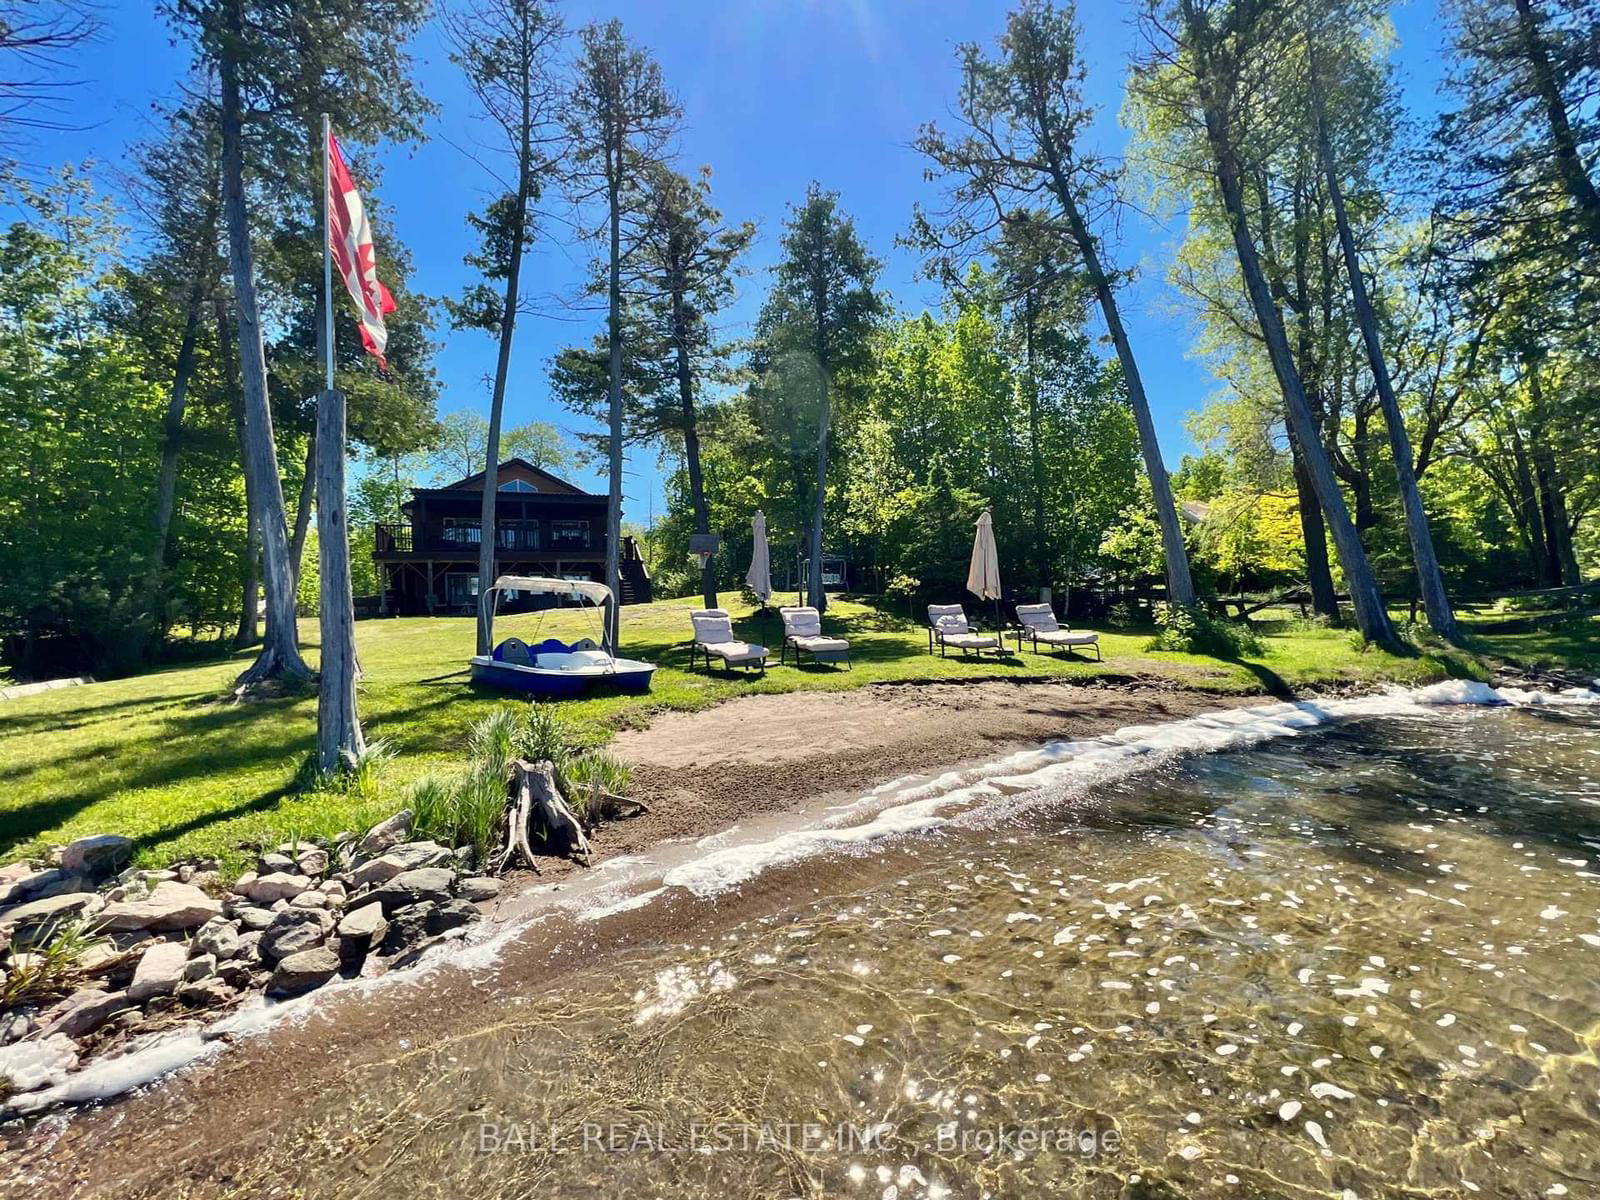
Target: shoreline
{"x":357,"y":1028}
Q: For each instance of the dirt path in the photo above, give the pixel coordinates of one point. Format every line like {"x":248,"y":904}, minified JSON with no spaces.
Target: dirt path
{"x":702,"y":772}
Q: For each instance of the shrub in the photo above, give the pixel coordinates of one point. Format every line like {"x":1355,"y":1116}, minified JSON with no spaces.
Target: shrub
{"x":547,"y":735}
{"x":1186,"y":630}
{"x":50,"y":967}
{"x":597,"y":766}
{"x":495,"y":740}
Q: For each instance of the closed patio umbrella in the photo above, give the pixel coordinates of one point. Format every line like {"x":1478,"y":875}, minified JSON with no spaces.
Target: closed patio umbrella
{"x":983,"y":576}
{"x":759,"y":576}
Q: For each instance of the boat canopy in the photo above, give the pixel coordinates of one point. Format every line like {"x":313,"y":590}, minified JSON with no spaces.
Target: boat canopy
{"x":596,"y":593}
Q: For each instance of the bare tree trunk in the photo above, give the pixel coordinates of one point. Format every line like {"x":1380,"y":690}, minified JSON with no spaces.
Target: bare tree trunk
{"x":614,"y":407}
{"x":691,"y":443}
{"x":249,"y":631}
{"x":1035,"y":449}
{"x":1180,"y":584}
{"x":1324,"y":600}
{"x":487,"y":538}
{"x":279,"y":657}
{"x":339,"y":739}
{"x":171,"y":446}
{"x":1430,"y":580}
{"x":302,"y":507}
{"x":1371,"y":616}
{"x":815,"y":596}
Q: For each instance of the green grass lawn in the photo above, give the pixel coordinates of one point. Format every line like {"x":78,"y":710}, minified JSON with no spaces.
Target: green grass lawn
{"x":163,"y":758}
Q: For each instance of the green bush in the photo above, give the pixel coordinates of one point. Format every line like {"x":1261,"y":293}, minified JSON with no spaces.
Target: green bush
{"x":1186,"y":630}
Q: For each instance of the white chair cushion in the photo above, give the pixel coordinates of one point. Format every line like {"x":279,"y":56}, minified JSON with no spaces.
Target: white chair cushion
{"x":801,"y":622}
{"x":820,"y":645}
{"x":735,"y":651}
{"x":1039,"y":618}
{"x":968,"y":641}
{"x":948,"y":618}
{"x":711,"y":626}
{"x":1063,"y":637}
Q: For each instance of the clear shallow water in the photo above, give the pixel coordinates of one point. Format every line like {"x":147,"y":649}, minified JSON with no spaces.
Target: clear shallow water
{"x":1361,"y":962}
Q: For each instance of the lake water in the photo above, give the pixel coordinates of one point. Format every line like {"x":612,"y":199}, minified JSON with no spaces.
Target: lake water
{"x":1359,"y":962}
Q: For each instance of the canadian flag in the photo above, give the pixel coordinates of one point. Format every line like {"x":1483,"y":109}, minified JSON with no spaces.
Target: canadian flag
{"x":350,"y":242}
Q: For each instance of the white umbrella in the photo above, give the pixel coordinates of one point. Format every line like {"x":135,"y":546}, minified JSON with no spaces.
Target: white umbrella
{"x":983,"y":576}
{"x":759,"y":576}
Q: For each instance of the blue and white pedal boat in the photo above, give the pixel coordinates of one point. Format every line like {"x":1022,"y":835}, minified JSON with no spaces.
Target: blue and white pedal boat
{"x":553,"y":668}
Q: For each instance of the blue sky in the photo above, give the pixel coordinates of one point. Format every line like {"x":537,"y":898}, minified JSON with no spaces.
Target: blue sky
{"x":776,"y":93}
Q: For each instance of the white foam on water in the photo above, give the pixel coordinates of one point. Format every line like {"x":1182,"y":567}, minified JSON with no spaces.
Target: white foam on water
{"x":907,"y":805}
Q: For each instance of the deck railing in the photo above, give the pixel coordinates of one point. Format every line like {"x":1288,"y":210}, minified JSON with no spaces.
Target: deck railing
{"x":406,"y":539}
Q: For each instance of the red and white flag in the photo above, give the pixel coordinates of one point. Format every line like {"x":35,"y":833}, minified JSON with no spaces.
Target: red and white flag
{"x":350,"y":242}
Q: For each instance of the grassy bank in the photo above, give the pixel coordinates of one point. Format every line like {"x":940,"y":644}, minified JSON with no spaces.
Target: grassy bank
{"x":159,"y":757}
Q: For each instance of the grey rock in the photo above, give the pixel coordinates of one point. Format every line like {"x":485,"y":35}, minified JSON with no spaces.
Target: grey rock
{"x":12,"y":878}
{"x":408,"y":856}
{"x":218,"y":938}
{"x":313,"y":862}
{"x":235,"y":973}
{"x":478,"y":888}
{"x":41,"y":884}
{"x":250,"y":946}
{"x":207,"y":991}
{"x":170,"y":906}
{"x":159,"y":972}
{"x":361,"y":930}
{"x":15,"y":1026}
{"x":28,"y":922}
{"x":267,"y":889}
{"x":311,"y":899}
{"x":199,"y":967}
{"x":407,"y":925}
{"x":103,"y":958}
{"x":410,"y":887}
{"x":334,"y":887}
{"x":97,"y":856}
{"x":388,"y":833}
{"x":453,"y":914}
{"x":302,"y":971}
{"x":254,"y":918}
{"x":85,"y":1011}
{"x":294,"y":930}
{"x":273,"y":864}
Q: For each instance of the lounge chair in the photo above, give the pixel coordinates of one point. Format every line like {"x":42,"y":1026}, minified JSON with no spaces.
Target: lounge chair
{"x":1038,"y":622}
{"x":947,"y":627}
{"x":713,"y":638}
{"x":802,"y":630}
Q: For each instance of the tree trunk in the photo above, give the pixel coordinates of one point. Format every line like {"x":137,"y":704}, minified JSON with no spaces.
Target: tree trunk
{"x":1371,"y":617}
{"x":1562,"y":568}
{"x":691,"y":441}
{"x":249,"y":630}
{"x":614,"y":407}
{"x":171,"y":446}
{"x":815,"y":596}
{"x":339,"y":739}
{"x":302,"y":507}
{"x":1324,"y":600}
{"x":1041,"y":565}
{"x":280,"y":656}
{"x":1180,"y":584}
{"x":1569,"y":162}
{"x":1430,"y":580}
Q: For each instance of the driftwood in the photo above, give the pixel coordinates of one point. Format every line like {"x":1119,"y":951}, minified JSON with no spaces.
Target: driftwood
{"x":536,"y":797}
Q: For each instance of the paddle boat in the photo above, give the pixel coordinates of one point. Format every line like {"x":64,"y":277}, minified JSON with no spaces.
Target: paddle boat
{"x":552,"y":667}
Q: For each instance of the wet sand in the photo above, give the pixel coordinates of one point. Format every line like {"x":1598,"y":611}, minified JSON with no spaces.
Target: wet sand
{"x":701,"y":773}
